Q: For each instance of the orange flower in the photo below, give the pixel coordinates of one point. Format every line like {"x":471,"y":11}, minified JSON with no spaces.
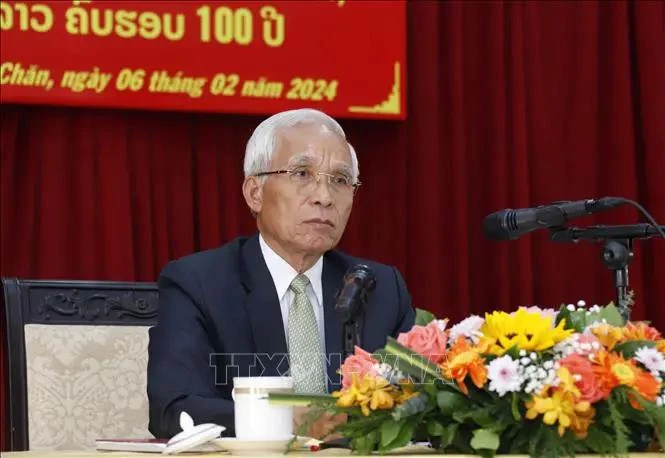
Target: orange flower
{"x":648,"y":387}
{"x":613,"y":370}
{"x":607,"y":380}
{"x":462,"y":360}
{"x":640,"y":331}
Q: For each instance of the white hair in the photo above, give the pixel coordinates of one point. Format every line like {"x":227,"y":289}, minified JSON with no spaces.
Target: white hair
{"x":263,"y":142}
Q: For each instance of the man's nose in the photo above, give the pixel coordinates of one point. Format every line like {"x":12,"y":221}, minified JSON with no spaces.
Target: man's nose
{"x":322,"y":195}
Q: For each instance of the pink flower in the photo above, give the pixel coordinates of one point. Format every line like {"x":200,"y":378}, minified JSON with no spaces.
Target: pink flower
{"x":589,"y":385}
{"x":429,"y":341}
{"x":360,"y":363}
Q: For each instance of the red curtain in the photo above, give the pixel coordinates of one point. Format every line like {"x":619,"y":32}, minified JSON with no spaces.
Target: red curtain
{"x":510,"y":105}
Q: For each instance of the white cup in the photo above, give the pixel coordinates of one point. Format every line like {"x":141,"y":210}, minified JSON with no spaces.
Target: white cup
{"x":255,"y":417}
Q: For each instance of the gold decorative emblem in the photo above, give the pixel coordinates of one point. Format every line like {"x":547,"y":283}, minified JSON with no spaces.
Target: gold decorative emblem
{"x":392,"y":105}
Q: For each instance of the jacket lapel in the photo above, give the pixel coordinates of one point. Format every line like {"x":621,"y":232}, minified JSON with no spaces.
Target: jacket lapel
{"x":333,"y":274}
{"x":263,"y":310}
{"x":265,"y":316}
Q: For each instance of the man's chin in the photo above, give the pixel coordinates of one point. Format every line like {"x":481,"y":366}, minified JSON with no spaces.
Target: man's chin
{"x":320,"y":246}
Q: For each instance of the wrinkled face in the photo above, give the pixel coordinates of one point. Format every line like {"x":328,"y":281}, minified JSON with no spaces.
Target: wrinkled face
{"x":297,"y":216}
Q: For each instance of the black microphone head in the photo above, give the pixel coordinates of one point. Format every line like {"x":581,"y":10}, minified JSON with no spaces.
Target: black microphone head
{"x":360,"y":272}
{"x":501,"y":225}
{"x":358,"y":282}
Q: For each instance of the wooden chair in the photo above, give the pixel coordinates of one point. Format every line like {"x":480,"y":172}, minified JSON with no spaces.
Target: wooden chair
{"x":77,"y":357}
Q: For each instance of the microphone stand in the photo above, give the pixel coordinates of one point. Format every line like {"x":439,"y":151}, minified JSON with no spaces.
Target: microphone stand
{"x":352,"y":335}
{"x":352,"y":321}
{"x":617,"y":251}
{"x":353,"y":324}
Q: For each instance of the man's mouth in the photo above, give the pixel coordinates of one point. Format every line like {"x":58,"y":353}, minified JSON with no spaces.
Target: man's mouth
{"x":321,"y":221}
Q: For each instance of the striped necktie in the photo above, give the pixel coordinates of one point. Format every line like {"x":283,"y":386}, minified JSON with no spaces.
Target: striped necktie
{"x":305,"y":357}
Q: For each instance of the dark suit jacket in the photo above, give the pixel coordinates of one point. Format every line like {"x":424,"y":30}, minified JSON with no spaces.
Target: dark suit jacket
{"x":219,"y":317}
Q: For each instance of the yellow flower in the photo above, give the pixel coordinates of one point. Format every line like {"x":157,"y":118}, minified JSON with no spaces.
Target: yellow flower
{"x":660,"y":345}
{"x":381,"y":399}
{"x":566,"y":382}
{"x":353,"y":395}
{"x":369,"y":393}
{"x":523,"y":329}
{"x":561,"y":407}
{"x":624,"y":373}
{"x":406,"y":393}
{"x":607,"y":335}
{"x":582,"y":420}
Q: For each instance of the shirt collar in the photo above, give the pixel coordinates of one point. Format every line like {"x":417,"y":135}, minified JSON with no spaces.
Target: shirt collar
{"x":283,"y":274}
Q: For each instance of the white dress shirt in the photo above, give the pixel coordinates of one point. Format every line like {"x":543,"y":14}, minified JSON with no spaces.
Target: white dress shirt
{"x":282,"y":275}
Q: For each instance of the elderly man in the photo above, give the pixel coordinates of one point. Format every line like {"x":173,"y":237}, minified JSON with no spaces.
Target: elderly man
{"x":236,"y":309}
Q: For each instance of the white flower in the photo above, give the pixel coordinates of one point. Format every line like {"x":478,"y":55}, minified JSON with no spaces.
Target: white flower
{"x":504,"y":375}
{"x":469,"y":328}
{"x":651,"y":358}
{"x":393,"y":376}
{"x":660,"y":400}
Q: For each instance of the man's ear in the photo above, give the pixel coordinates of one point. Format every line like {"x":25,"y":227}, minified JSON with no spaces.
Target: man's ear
{"x":252,"y":190}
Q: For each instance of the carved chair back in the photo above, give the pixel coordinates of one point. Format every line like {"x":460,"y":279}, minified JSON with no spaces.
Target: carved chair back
{"x":77,"y":356}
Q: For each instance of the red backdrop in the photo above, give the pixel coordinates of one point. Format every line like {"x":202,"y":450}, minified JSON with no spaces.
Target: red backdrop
{"x":243,"y":56}
{"x":509,"y":105}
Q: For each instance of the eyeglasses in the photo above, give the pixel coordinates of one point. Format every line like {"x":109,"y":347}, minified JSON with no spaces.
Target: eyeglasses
{"x":307,"y":180}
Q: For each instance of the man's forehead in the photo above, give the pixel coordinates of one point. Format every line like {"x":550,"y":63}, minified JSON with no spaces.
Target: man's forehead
{"x":311,"y":158}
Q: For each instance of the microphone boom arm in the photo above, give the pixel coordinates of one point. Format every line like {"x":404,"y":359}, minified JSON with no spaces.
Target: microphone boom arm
{"x":617,"y":251}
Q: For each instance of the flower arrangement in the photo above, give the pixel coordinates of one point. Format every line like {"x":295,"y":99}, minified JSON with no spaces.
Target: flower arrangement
{"x":536,"y":381}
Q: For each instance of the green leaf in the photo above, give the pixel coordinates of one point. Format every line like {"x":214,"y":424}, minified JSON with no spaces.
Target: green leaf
{"x":448,"y":435}
{"x":599,"y":441}
{"x":423,"y":317}
{"x":515,"y":408}
{"x":364,"y":445}
{"x":621,"y":432}
{"x":424,"y":368}
{"x":415,"y":405}
{"x":389,"y":431}
{"x":450,"y":402}
{"x":485,"y":439}
{"x":611,"y":314}
{"x":656,"y":416}
{"x":434,"y":428}
{"x":480,"y":416}
{"x":628,"y":349}
{"x":405,"y":435}
{"x":574,"y":320}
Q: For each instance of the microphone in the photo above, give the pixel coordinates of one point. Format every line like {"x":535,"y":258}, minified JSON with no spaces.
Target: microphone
{"x":358,"y":282}
{"x":511,"y":224}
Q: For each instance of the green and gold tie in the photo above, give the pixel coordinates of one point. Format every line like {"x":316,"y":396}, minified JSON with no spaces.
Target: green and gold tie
{"x":305,"y":356}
